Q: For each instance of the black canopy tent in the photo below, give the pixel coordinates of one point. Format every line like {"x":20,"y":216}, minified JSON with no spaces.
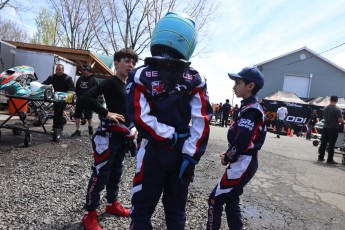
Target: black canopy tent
{"x":298,"y":110}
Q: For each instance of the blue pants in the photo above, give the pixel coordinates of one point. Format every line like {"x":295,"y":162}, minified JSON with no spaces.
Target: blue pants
{"x":157,"y":172}
{"x":228,"y":192}
{"x":109,"y":152}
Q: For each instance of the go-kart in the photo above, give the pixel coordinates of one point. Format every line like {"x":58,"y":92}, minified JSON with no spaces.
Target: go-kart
{"x":21,"y":82}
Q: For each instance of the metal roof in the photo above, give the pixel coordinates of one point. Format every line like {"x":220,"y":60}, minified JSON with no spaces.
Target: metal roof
{"x":298,"y":50}
{"x":78,"y":56}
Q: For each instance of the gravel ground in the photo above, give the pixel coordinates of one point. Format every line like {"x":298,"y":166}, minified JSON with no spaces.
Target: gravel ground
{"x":43,"y":186}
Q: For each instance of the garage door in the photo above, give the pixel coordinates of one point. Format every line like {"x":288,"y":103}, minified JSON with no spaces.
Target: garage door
{"x":299,"y":85}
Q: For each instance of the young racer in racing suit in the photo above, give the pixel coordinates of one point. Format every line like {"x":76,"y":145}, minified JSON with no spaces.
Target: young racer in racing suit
{"x":163,"y":97}
{"x":110,"y":139}
{"x":245,"y":137}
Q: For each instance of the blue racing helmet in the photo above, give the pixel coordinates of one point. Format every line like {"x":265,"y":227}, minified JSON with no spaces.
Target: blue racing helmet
{"x":174,"y":33}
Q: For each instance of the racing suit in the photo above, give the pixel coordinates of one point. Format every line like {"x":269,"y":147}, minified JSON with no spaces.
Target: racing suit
{"x":108,"y":142}
{"x":157,"y":114}
{"x":245,"y":136}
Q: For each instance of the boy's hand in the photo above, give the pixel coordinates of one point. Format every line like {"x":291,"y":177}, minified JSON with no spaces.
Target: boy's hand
{"x":222,"y":155}
{"x":115,"y":117}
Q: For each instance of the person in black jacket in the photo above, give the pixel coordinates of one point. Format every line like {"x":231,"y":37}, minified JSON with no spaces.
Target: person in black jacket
{"x":226,"y":112}
{"x":110,"y":141}
{"x":84,"y":83}
{"x":61,"y":83}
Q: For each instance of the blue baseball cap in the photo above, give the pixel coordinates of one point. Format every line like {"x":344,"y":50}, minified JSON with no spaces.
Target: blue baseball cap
{"x":251,"y":74}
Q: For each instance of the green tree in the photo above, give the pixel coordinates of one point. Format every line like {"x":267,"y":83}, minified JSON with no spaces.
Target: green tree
{"x":47,"y":28}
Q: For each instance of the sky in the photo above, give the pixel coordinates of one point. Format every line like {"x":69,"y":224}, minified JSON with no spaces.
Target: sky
{"x":248,"y":32}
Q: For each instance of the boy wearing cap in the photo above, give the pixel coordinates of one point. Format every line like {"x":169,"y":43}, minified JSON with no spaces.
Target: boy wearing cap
{"x":84,"y":83}
{"x":245,"y":137}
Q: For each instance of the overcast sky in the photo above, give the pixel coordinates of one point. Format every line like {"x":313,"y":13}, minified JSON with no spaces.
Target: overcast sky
{"x":248,"y":32}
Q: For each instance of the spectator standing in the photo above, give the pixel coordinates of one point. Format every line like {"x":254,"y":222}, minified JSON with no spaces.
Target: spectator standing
{"x":311,"y":124}
{"x":282,"y":113}
{"x":234,"y":112}
{"x":84,"y":83}
{"x":245,"y":138}
{"x":332,"y":117}
{"x":219,"y":113}
{"x":226,"y":113}
{"x":63,"y":83}
{"x":164,"y":96}
{"x":110,"y":141}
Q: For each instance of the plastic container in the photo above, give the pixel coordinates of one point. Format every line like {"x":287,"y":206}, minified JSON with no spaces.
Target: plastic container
{"x":18,"y":103}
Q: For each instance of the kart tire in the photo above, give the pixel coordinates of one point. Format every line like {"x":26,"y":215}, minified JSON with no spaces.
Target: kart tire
{"x":315,"y":142}
{"x":83,"y":121}
{"x":48,"y":94}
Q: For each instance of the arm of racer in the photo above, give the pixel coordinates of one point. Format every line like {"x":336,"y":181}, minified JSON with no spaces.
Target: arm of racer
{"x":139,"y":112}
{"x":195,"y":145}
{"x":247,"y":130}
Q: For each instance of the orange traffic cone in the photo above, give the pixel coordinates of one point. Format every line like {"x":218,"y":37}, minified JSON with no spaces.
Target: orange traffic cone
{"x":288,"y":132}
{"x":291,"y":133}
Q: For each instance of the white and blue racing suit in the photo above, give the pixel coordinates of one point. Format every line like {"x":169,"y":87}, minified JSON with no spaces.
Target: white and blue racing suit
{"x":157,"y":115}
{"x":245,"y":137}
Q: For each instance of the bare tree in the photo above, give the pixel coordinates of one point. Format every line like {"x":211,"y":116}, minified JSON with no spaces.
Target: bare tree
{"x":79,"y":22}
{"x":130,"y":23}
{"x":9,"y":30}
{"x":4,"y":3}
{"x":17,"y":5}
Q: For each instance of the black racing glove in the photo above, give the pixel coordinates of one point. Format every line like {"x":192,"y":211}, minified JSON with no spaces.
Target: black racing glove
{"x":186,"y":174}
{"x":179,"y":139}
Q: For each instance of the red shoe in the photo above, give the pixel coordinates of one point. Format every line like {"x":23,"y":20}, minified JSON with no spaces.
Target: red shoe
{"x":90,"y":221}
{"x":116,"y":209}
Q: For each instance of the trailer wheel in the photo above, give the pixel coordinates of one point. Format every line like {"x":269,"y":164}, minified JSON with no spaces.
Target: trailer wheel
{"x":27,"y":139}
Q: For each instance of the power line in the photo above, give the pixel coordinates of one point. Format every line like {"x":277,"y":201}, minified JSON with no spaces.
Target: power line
{"x":332,"y":48}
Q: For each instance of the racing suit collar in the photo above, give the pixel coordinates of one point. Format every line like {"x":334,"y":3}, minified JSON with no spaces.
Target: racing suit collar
{"x":249,"y":100}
